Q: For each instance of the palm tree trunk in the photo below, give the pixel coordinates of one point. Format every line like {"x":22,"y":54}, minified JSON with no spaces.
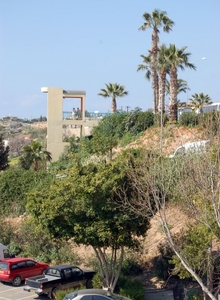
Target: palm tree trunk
{"x":173,"y":95}
{"x":155,"y":85}
{"x":114,"y":105}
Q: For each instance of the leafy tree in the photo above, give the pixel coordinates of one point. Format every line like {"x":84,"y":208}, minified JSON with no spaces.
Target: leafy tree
{"x":14,"y":186}
{"x":113,"y":90}
{"x":177,"y":58}
{"x":105,"y":136}
{"x":198,"y":101}
{"x":35,"y":155}
{"x":137,"y":121}
{"x":85,"y":206}
{"x":156,"y":20}
{"x":4,"y":154}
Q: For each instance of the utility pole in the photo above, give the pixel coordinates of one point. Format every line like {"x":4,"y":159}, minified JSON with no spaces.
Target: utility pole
{"x":127,"y":107}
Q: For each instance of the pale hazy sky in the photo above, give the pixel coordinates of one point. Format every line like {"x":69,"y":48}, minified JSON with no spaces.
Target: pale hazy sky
{"x":83,"y":44}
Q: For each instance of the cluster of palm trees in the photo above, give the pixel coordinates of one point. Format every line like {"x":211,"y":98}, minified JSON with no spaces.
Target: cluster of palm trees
{"x":161,"y":62}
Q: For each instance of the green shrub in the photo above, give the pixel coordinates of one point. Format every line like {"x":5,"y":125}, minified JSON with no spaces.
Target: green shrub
{"x":131,"y":267}
{"x":188,"y":119}
{"x":132,"y":289}
{"x":60,"y":294}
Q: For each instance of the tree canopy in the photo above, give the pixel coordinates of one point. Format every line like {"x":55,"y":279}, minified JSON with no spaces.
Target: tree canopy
{"x":85,"y":207}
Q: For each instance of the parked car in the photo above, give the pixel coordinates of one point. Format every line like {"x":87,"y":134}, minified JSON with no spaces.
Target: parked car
{"x":15,"y":270}
{"x":59,"y":277}
{"x":93,"y":294}
{"x":198,"y":147}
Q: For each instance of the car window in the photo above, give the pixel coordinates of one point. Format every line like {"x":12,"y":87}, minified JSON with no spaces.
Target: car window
{"x":13,"y":267}
{"x":76,"y":271}
{"x":21,"y":265}
{"x":87,"y":297}
{"x":53,"y":272}
{"x":3,"y":266}
{"x":67,"y":273}
{"x":30,"y":263}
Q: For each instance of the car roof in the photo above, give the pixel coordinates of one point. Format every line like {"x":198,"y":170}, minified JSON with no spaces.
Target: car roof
{"x":91,"y":291}
{"x":96,"y":292}
{"x":61,"y":267}
{"x":16,"y":259}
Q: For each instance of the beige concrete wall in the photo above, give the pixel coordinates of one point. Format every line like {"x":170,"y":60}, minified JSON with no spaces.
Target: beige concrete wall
{"x":55,"y":122}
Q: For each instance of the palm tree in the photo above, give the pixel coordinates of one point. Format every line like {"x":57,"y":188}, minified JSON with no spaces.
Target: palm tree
{"x":163,"y":67}
{"x":198,"y":101}
{"x":146,"y":66}
{"x":155,"y":20}
{"x":34,"y":154}
{"x":113,"y":90}
{"x":177,"y":58}
{"x":182,"y":86}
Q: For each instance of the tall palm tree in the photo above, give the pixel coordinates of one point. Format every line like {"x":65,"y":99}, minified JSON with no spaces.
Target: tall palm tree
{"x":35,"y":155}
{"x":113,"y":90}
{"x":198,"y":101}
{"x":156,"y":20}
{"x":163,"y":67}
{"x":177,"y":58}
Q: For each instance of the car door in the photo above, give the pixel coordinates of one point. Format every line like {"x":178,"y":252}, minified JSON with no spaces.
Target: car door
{"x":32,"y":268}
{"x":78,"y":277}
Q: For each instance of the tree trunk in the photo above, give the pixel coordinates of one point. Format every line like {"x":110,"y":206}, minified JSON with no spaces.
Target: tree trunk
{"x":173,"y":95}
{"x":114,"y":105}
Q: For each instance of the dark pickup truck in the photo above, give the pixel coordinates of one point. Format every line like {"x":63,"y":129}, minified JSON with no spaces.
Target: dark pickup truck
{"x":59,"y":277}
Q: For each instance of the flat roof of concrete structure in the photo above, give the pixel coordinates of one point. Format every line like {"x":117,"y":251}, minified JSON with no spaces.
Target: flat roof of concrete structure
{"x":66,"y":93}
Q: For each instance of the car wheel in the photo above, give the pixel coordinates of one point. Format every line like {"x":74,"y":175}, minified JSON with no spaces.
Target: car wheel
{"x":17,"y":281}
{"x":89,"y":284}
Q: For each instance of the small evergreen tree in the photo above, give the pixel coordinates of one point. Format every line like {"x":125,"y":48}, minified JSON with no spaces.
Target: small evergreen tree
{"x":4,"y":153}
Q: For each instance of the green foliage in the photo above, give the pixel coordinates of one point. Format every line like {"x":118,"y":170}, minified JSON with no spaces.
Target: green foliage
{"x":34,"y":155}
{"x":210,"y":121}
{"x":7,"y":231}
{"x":131,"y":267}
{"x":60,"y":294}
{"x":97,"y":281}
{"x":137,"y":121}
{"x":127,"y":138}
{"x":132,"y":289}
{"x":194,"y":294}
{"x":14,"y":186}
{"x":194,"y":245}
{"x":4,"y":154}
{"x":189,"y":119}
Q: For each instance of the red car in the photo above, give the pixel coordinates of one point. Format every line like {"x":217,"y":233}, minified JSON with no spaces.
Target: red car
{"x":16,"y":269}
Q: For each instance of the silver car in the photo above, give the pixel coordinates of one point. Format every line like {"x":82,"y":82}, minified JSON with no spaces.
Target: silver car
{"x":93,"y":294}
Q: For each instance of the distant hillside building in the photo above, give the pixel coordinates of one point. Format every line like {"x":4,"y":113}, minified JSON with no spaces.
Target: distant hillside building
{"x":59,"y":121}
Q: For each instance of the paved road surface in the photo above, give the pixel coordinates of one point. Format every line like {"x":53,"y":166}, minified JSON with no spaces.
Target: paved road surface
{"x":9,"y":292}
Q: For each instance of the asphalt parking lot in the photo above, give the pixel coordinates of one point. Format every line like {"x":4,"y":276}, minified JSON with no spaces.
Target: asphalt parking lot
{"x":9,"y":292}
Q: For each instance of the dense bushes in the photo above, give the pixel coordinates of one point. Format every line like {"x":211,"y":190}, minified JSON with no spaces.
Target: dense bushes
{"x":188,"y":119}
{"x":15,"y":184}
